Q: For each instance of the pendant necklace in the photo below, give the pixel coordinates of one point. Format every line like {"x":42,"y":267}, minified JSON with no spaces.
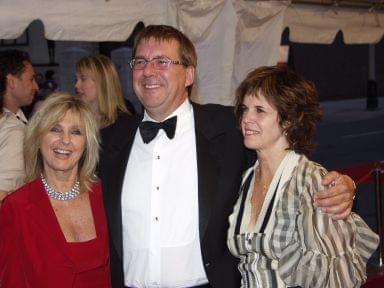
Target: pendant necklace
{"x":265,"y":186}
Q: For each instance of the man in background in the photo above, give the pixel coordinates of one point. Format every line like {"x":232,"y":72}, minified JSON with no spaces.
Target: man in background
{"x":18,"y":89}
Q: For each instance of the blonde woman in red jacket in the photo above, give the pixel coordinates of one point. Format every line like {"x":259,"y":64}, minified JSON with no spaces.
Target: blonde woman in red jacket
{"x":49,"y":237}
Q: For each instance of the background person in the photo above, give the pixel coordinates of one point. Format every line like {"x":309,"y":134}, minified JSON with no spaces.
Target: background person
{"x":280,"y":237}
{"x":51,"y":238}
{"x":46,"y":88}
{"x":11,"y":149}
{"x":168,"y":192}
{"x":39,"y":80}
{"x":50,"y":85}
{"x":98,"y":84}
{"x":17,"y":89}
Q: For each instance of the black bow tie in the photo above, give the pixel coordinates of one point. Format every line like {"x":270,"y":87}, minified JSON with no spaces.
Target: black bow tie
{"x":149,"y":129}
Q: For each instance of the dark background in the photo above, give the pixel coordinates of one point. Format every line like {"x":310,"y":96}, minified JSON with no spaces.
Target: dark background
{"x":340,"y":71}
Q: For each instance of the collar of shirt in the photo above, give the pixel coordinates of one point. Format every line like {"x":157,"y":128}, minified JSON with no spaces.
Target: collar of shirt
{"x":19,"y":115}
{"x":184,"y":115}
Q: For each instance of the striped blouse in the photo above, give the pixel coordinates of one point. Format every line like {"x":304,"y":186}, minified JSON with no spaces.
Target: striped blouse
{"x":294,"y":243}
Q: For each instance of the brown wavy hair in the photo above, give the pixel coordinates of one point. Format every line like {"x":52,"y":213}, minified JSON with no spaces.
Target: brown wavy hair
{"x":295,"y":99}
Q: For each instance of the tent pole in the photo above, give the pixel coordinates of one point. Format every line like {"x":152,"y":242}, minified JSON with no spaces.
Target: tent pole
{"x":372,"y":101}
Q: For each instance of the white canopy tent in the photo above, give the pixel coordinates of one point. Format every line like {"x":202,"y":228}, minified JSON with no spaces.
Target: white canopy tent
{"x":231,"y":36}
{"x":320,"y":24}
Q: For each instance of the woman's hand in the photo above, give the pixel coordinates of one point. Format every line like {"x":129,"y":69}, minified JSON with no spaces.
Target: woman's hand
{"x":337,"y":199}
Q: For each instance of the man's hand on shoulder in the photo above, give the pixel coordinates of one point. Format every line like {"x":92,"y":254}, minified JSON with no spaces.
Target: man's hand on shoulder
{"x":337,"y":198}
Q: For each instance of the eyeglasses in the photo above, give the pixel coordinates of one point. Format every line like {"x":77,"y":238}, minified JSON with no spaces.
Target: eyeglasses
{"x":161,"y":63}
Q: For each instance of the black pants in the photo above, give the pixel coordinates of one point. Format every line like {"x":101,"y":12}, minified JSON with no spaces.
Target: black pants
{"x":200,"y":286}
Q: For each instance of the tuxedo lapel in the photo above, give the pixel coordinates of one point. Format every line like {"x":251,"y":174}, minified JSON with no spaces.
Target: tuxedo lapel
{"x":117,"y":144}
{"x":207,"y":169}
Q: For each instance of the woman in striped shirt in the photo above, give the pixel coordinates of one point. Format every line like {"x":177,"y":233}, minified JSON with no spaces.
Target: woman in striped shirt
{"x":281,"y":238}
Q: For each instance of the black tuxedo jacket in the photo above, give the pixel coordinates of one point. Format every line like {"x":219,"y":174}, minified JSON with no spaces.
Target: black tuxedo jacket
{"x":220,"y":163}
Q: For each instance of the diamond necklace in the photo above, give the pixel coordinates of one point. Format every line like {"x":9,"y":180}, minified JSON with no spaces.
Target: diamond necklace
{"x":62,"y":196}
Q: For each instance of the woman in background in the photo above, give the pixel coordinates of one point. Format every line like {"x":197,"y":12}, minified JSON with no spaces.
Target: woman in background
{"x":280,"y":237}
{"x":53,"y":231}
{"x":98,"y":84}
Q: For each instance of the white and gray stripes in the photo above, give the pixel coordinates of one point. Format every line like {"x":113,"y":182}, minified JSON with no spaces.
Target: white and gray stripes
{"x":301,"y":245}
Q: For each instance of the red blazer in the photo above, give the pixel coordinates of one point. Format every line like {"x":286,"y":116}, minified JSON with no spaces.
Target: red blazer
{"x":32,"y":245}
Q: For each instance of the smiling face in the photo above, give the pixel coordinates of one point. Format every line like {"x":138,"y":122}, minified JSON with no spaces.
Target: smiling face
{"x":260,"y":124}
{"x":161,"y":91}
{"x":63,"y":145}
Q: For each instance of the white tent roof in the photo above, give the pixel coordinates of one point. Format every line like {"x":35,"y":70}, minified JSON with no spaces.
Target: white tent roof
{"x":320,"y":24}
{"x":232,"y":37}
{"x":84,"y":20}
{"x":113,"y":20}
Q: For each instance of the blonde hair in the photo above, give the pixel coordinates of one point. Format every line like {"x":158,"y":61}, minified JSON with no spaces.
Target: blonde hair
{"x":108,"y":87}
{"x":50,"y":113}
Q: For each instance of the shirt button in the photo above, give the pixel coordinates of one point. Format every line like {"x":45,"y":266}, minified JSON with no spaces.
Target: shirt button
{"x":157,"y":218}
{"x":158,"y":157}
{"x":157,"y":188}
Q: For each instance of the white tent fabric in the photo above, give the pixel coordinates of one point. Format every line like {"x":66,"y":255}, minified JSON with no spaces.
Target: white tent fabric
{"x":320,"y":24}
{"x":250,"y":39}
{"x":231,"y":36}
{"x":85,"y":20}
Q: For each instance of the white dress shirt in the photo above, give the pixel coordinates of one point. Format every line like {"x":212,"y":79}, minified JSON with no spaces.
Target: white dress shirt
{"x":11,"y":150}
{"x":161,"y":246}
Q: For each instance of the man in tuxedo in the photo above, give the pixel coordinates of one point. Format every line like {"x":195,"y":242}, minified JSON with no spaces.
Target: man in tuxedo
{"x":171,"y":176}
